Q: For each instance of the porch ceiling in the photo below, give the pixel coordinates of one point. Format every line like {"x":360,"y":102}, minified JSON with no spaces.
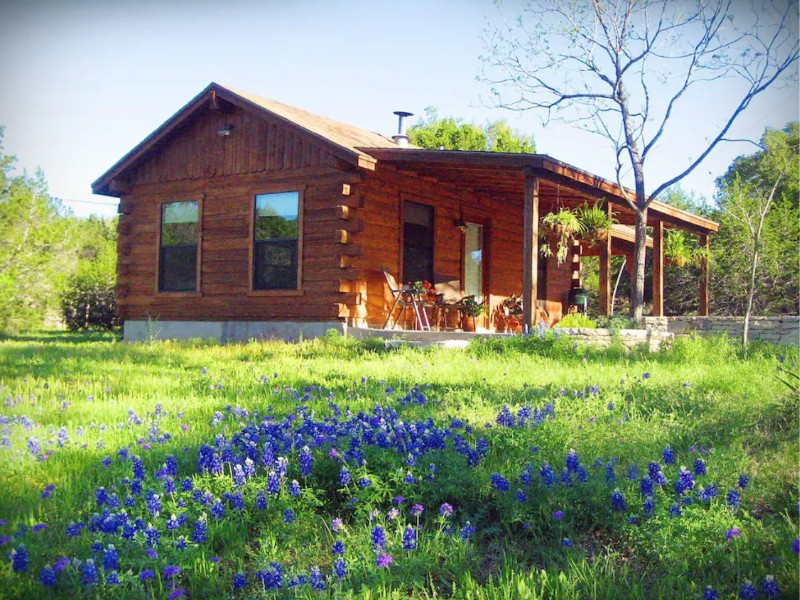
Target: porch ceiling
{"x":502,"y":174}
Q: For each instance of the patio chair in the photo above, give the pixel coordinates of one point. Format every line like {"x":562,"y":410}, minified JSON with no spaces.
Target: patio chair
{"x":404,"y":298}
{"x":449,"y":298}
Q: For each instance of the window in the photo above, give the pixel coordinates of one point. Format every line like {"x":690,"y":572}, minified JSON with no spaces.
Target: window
{"x":275,"y":241}
{"x":177,"y":265}
{"x":417,"y":242}
{"x":473,"y":261}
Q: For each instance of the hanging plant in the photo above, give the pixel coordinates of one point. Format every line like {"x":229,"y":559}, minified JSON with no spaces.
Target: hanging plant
{"x":563,"y":226}
{"x":676,"y":248}
{"x":596,"y":222}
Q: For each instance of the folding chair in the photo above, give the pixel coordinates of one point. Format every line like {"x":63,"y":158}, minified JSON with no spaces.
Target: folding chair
{"x":405,"y":297}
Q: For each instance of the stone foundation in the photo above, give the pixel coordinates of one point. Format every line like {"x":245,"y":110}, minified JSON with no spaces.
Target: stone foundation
{"x":227,"y":331}
{"x":630,"y":338}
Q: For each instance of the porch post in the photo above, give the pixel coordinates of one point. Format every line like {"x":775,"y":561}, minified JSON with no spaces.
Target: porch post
{"x":604,"y":293}
{"x":530,"y":251}
{"x":658,"y":269}
{"x":705,"y":278}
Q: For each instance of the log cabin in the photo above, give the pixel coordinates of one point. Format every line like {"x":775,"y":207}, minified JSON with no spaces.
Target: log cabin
{"x":242,"y":217}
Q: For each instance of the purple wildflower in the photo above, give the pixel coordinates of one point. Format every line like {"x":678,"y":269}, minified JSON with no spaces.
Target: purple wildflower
{"x":384,"y":560}
{"x":733,"y":532}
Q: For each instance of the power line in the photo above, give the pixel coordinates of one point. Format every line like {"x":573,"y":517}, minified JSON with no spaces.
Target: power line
{"x":108,"y":203}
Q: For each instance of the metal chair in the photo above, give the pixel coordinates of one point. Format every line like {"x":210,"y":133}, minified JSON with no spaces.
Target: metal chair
{"x":404,"y":298}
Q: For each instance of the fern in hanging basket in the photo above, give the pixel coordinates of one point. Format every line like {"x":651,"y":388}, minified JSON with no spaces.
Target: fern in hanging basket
{"x":596,"y":222}
{"x":562,"y":225}
{"x":676,"y":248}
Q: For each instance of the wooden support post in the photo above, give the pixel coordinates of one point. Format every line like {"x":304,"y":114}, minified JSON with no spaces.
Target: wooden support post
{"x":658,"y":269}
{"x":530,"y":251}
{"x":705,"y":278}
{"x":604,"y":293}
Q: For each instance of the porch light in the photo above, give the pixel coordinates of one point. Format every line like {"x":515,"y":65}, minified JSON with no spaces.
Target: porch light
{"x":461,"y":225}
{"x":225,"y":130}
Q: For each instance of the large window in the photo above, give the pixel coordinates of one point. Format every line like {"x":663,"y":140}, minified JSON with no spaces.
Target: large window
{"x":417,"y":242}
{"x":177,"y":265}
{"x":275,"y":239}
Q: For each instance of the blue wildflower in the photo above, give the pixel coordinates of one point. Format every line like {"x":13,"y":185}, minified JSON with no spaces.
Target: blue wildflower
{"x":646,"y":486}
{"x":744,"y":481}
{"x":337,"y":548}
{"x":316,"y":579}
{"x":649,"y":506}
{"x":344,"y":476}
{"x":200,"y":530}
{"x":378,"y":538}
{"x":566,"y":542}
{"x":47,"y":576}
{"x":261,"y":500}
{"x":699,"y":467}
{"x":340,"y":568}
{"x":89,"y":573}
{"x":306,"y":460}
{"x":365,"y":482}
{"x":218,"y":510}
{"x":20,"y":559}
{"x":288,"y":516}
{"x":669,"y":455}
{"x":572,"y":460}
{"x":409,"y":538}
{"x":709,"y":593}
{"x":675,"y":510}
{"x":618,"y":501}
{"x":747,"y":591}
{"x":466,"y":531}
{"x":685,"y":481}
{"x":769,"y":587}
{"x":110,"y":559}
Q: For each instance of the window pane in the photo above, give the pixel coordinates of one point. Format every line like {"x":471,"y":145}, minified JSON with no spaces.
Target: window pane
{"x":178,"y":269}
{"x":417,"y":242}
{"x":179,"y":223}
{"x":473,"y":261}
{"x":177,"y":266}
{"x":275,"y":265}
{"x":276,"y":216}
{"x":275,"y":254}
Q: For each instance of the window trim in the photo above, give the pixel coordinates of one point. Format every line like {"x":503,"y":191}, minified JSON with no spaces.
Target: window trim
{"x":274,"y":189}
{"x":198,"y":269}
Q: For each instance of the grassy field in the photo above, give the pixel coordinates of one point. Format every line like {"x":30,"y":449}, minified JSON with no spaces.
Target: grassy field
{"x":524,"y":468}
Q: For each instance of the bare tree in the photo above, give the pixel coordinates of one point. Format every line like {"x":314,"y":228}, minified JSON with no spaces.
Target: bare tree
{"x":624,"y":69}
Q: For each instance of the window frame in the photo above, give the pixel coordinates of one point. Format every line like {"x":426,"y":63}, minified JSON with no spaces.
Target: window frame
{"x":198,"y":254}
{"x":265,"y":190}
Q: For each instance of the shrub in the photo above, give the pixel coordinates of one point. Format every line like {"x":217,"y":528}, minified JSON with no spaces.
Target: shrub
{"x":89,"y":302}
{"x":577,"y":320}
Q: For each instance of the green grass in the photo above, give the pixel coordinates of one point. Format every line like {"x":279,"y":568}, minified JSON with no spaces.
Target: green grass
{"x":704,"y":398}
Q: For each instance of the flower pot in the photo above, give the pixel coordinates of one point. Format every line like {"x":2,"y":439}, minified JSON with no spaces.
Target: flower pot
{"x":468,"y":323}
{"x":677,"y":261}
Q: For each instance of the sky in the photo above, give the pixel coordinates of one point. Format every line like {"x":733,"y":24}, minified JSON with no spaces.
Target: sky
{"x":85,"y":81}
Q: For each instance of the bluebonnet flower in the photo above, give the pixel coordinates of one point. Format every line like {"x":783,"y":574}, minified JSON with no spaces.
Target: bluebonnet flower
{"x":685,"y":481}
{"x":288,"y":516}
{"x":733,"y":532}
{"x":344,"y":476}
{"x":417,"y":510}
{"x":261,"y":500}
{"x":106,"y":461}
{"x":200,"y":530}
{"x":239,"y":581}
{"x":89,"y":573}
{"x":337,"y":548}
{"x":409,"y":478}
{"x":20,"y":559}
{"x":238,"y":476}
{"x":294,"y":488}
{"x":365,"y":482}
{"x":383,"y":560}
{"x":744,"y":480}
{"x":181,"y":543}
{"x":146,"y":574}
{"x":171,"y":571}
{"x":675,"y":510}
{"x":151,"y":536}
{"x":796,"y":546}
{"x":633,"y":472}
{"x":709,"y":593}
{"x":669,"y":455}
{"x":618,"y":501}
{"x":393,"y":514}
{"x":521,"y":496}
{"x":445,"y":510}
{"x":610,"y":406}
{"x":100,"y":496}
{"x":340,"y":568}
{"x":316,"y":579}
{"x":466,"y":531}
{"x":48,"y":491}
{"x":271,"y":578}
{"x":769,"y":587}
{"x":153,"y":503}
{"x":572,"y":460}
{"x":646,"y":486}
{"x":336,"y":525}
{"x":218,"y":510}
{"x":649,"y":506}
{"x":409,"y":538}
{"x":610,"y":476}
{"x":112,"y":578}
{"x":559,"y":514}
{"x":378,"y":538}
{"x":747,"y":591}
{"x":47,"y":576}
{"x":548,"y":475}
{"x":699,"y":467}
{"x":138,"y":467}
{"x":733,"y":499}
{"x":110,"y":558}
{"x":583,"y":474}
{"x":500,"y":483}
{"x":566,"y":542}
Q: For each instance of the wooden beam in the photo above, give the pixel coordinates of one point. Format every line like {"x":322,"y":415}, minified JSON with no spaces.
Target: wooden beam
{"x":658,"y":269}
{"x":705,"y":279}
{"x":604,"y":293}
{"x":530,"y":251}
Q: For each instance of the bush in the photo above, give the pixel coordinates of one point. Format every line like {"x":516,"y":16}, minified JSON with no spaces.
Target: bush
{"x":89,"y":303}
{"x":577,"y":320}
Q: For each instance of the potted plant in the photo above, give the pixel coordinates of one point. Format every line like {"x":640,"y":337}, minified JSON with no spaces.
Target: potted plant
{"x":471,"y":310}
{"x":596,"y":222}
{"x":512,"y":311}
{"x":701,"y":256}
{"x":676,"y":248}
{"x":563,"y":225}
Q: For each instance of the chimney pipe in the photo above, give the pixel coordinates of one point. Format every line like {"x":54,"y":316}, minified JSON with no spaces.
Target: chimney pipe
{"x":401,"y":139}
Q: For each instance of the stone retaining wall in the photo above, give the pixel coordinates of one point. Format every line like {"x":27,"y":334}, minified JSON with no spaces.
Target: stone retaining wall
{"x":630,"y":338}
{"x":777,"y":330}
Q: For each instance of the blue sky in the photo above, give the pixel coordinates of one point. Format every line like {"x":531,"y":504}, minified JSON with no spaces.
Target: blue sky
{"x":84,"y":81}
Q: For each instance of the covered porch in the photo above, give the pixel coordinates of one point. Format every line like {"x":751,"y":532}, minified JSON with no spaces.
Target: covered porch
{"x":529,"y":187}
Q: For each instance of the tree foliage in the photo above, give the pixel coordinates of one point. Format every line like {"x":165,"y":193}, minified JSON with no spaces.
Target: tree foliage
{"x":43,"y":245}
{"x":449,"y":133}
{"x":623,"y":69}
{"x":758,"y":213}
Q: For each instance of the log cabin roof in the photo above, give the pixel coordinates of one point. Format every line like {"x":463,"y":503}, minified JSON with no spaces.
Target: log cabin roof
{"x":486,"y":172}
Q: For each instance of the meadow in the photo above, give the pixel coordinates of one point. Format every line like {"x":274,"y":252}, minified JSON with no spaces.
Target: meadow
{"x":521,"y":468}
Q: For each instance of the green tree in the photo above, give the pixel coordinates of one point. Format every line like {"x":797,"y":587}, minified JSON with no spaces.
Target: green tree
{"x":756,"y":252}
{"x":449,"y":133}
